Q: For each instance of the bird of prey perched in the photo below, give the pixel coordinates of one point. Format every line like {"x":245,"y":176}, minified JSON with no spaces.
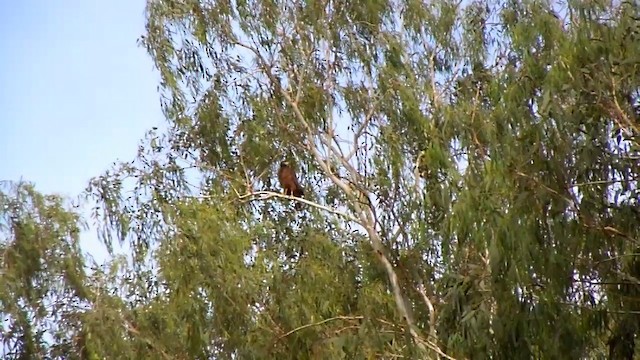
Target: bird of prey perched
{"x":289,"y":182}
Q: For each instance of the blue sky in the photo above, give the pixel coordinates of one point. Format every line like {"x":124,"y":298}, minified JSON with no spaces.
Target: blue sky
{"x":76,"y":92}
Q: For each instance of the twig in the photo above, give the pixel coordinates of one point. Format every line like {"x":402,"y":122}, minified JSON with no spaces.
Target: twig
{"x":319,"y":323}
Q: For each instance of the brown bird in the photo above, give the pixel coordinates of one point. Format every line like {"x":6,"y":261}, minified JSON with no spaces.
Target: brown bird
{"x":289,"y":182}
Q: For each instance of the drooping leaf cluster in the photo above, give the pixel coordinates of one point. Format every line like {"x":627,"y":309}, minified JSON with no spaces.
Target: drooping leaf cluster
{"x":42,"y":274}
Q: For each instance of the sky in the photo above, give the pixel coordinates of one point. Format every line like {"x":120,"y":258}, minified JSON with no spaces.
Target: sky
{"x":76,"y":92}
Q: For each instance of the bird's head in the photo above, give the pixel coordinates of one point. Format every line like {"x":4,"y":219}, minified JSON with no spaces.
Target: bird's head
{"x":284,"y":164}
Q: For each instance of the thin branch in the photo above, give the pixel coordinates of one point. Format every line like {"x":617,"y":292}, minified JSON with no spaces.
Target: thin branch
{"x":539,"y":183}
{"x":264,"y":195}
{"x":615,"y":258}
{"x":361,"y":129}
{"x":435,"y":348}
{"x":432,"y":310}
{"x":598,"y":182}
{"x":319,"y":323}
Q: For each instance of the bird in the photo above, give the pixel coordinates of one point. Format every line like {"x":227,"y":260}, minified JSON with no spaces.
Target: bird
{"x":289,"y":182}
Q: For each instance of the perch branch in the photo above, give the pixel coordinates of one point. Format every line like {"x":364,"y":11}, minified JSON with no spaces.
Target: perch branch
{"x":264,"y":195}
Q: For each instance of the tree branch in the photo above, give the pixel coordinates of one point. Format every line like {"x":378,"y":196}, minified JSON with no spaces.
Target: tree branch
{"x":319,"y":323}
{"x":264,"y":195}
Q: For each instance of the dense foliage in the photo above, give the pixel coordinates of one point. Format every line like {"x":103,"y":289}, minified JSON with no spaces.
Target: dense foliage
{"x":471,"y":190}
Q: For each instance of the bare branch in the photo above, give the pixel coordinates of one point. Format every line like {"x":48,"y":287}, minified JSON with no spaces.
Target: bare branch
{"x":264,"y":195}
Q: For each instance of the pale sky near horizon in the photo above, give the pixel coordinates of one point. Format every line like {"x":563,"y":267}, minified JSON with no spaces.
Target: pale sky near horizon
{"x":76,"y":92}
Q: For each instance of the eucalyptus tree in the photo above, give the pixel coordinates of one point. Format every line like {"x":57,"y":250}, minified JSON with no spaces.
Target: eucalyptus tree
{"x":470,"y":174}
{"x":42,"y":273}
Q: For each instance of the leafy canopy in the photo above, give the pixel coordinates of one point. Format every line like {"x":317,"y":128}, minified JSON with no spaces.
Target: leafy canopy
{"x":470,"y":174}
